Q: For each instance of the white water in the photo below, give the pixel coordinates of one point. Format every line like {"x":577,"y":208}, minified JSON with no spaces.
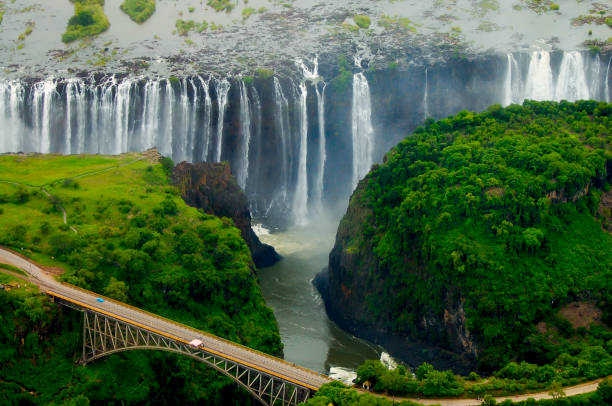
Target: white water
{"x":282,"y":125}
{"x":426,"y":97}
{"x":149,"y":126}
{"x":607,"y":83}
{"x":512,"y":82}
{"x":43,"y":100}
{"x":539,"y":77}
{"x":318,"y":186}
{"x":122,"y":117}
{"x":300,"y":198}
{"x":223,"y":87}
{"x":11,"y":97}
{"x":245,"y":130}
{"x":571,"y":83}
{"x":363,"y":133}
{"x":205,"y":133}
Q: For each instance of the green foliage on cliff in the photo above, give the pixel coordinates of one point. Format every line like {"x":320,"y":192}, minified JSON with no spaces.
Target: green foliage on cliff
{"x":496,"y":213}
{"x":138,"y":10}
{"x":129,"y":236}
{"x":88,"y":20}
{"x":339,"y":395}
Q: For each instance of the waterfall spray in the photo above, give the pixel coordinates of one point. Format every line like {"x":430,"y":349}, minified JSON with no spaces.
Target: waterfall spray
{"x":206,"y":125}
{"x":300,"y":199}
{"x":223,"y":87}
{"x":512,"y":81}
{"x":607,"y":83}
{"x":363,"y":133}
{"x":282,"y":125}
{"x":571,"y":83}
{"x":426,"y":97}
{"x":318,"y":187}
{"x":245,"y":129}
{"x":539,"y":79}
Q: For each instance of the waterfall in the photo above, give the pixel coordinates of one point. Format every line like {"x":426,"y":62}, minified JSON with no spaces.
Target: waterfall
{"x":539,"y":79}
{"x":318,"y":186}
{"x":165,"y":140}
{"x":42,"y":100}
{"x":223,"y":87}
{"x":571,"y":83}
{"x":426,"y":97}
{"x":512,"y":82}
{"x":282,"y":125}
{"x":245,"y":130}
{"x":363,"y":133}
{"x":595,"y":77}
{"x":150,"y":114}
{"x":11,"y":101}
{"x":207,"y":120}
{"x":122,"y":117}
{"x":607,"y":83}
{"x":300,"y":199}
{"x":185,"y":142}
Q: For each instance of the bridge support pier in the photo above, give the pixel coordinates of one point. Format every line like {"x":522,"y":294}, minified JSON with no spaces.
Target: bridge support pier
{"x":104,"y":335}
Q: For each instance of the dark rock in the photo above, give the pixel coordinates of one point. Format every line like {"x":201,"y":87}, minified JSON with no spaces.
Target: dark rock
{"x":212,"y":188}
{"x":440,"y":339}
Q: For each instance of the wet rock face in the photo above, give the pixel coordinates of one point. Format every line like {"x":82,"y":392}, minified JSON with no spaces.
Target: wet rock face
{"x":441,"y":339}
{"x":212,"y":188}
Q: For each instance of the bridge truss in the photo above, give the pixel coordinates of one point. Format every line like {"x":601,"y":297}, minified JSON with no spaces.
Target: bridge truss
{"x":104,"y":335}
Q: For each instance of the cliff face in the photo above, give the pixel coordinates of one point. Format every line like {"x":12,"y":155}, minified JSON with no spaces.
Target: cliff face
{"x":349,"y":283}
{"x":212,"y":188}
{"x":471,"y":233}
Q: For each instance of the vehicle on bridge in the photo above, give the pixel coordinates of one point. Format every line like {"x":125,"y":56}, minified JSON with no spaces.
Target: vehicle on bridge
{"x":195,"y":343}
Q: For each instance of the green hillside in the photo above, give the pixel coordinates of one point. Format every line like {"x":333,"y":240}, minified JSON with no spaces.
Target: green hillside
{"x":129,"y":236}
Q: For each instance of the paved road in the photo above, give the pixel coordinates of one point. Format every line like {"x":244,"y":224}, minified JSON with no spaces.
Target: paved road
{"x":260,"y":361}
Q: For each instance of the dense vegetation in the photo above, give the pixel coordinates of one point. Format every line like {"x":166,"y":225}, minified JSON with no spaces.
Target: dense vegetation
{"x":88,"y":20}
{"x":499,"y":211}
{"x":131,"y":237}
{"x":511,"y":379}
{"x":337,"y":394}
{"x":138,"y":10}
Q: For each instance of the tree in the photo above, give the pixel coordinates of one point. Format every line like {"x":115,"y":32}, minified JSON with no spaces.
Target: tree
{"x":116,"y":289}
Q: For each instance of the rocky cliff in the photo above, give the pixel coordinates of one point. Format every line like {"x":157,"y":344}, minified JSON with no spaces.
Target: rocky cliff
{"x":212,"y":188}
{"x":349,"y":280}
{"x":471,"y":233}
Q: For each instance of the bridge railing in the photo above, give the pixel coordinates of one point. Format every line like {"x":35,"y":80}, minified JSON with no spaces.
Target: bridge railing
{"x":195,"y":331}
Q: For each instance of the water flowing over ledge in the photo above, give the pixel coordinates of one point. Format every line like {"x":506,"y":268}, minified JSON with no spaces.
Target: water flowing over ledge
{"x":298,"y":144}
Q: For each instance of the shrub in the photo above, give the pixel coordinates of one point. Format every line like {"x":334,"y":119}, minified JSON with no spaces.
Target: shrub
{"x":362,"y":21}
{"x":88,"y":20}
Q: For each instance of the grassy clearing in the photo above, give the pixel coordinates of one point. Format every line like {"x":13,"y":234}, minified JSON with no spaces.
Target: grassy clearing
{"x":40,"y":170}
{"x":88,"y":20}
{"x":138,"y":10}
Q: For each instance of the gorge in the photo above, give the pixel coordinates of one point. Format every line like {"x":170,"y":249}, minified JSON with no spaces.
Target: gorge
{"x":297,"y":100}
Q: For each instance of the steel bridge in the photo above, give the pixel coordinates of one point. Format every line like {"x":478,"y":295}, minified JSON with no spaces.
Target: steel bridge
{"x":110,"y":327}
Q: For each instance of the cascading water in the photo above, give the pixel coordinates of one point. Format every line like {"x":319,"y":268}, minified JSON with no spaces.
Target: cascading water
{"x":207,"y":116}
{"x":318,"y":186}
{"x":607,"y":83}
{"x":150,"y":114}
{"x":426,"y":97}
{"x":539,"y":77}
{"x":282,"y":126}
{"x":512,"y":83}
{"x":300,"y":198}
{"x":223,"y":88}
{"x":287,"y":162}
{"x":245,"y":129}
{"x":122,"y":119}
{"x":571,"y":83}
{"x":42,"y":101}
{"x":363,"y":133}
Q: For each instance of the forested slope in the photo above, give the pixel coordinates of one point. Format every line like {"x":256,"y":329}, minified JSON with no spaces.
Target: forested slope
{"x":130,"y":236}
{"x":485,"y":234}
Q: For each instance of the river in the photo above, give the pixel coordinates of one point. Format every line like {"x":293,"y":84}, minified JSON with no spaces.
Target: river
{"x":310,"y":339}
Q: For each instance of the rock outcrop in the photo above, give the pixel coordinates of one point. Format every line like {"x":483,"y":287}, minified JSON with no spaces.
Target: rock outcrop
{"x":347,"y":282}
{"x":212,"y":188}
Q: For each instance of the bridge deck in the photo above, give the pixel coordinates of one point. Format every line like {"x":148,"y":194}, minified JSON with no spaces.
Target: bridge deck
{"x":129,"y":314}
